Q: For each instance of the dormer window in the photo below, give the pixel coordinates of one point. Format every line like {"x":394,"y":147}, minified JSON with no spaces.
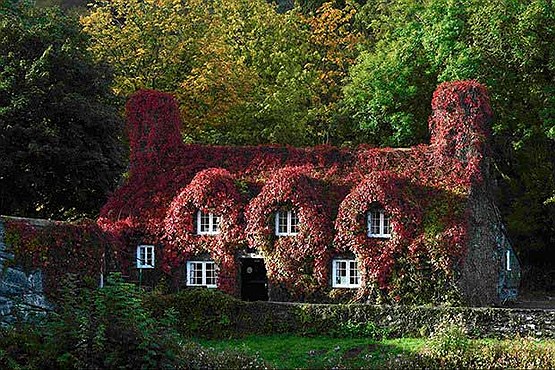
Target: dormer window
{"x":145,"y":256}
{"x":378,"y":224}
{"x":207,"y":223}
{"x":287,"y":223}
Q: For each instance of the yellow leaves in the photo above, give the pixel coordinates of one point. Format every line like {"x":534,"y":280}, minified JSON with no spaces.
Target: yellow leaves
{"x":213,"y":89}
{"x":225,"y":59}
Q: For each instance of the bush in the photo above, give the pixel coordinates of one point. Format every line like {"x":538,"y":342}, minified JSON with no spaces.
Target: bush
{"x":112,"y":328}
{"x":94,"y":328}
{"x":205,"y":313}
{"x":351,"y":329}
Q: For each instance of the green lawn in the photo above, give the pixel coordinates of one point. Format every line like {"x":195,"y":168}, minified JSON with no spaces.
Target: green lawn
{"x":287,"y":351}
{"x":452,"y":350}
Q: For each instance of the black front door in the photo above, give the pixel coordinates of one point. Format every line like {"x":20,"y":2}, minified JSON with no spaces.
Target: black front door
{"x":254,"y":282}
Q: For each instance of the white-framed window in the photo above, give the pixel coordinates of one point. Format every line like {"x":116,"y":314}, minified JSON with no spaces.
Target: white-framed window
{"x":508,"y":260}
{"x":145,"y":256}
{"x":345,"y":273}
{"x":207,"y":223}
{"x":379,"y":225}
{"x":287,"y":223}
{"x":202,"y":273}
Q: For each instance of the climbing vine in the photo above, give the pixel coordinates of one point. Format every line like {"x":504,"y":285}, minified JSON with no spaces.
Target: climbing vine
{"x":299,"y":262}
{"x":211,"y":191}
{"x":425,"y":189}
{"x":58,"y":249}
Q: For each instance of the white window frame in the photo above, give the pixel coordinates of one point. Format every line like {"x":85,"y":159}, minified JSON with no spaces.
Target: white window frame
{"x":351,"y":266}
{"x":193,"y":265}
{"x":213,"y":223}
{"x":289,"y":226}
{"x":382,"y":217}
{"x":508,"y":260}
{"x":145,"y":262}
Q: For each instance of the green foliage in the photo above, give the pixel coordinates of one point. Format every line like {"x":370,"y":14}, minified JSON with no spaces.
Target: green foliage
{"x":199,"y":312}
{"x":451,"y":343}
{"x":110,"y":328}
{"x":59,"y":148}
{"x":104,"y":328}
{"x":450,"y":347}
{"x":243,"y":72}
{"x":350,"y":329}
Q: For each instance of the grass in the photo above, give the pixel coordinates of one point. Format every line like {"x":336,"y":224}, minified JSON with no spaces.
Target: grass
{"x":451,"y":350}
{"x":285,"y":351}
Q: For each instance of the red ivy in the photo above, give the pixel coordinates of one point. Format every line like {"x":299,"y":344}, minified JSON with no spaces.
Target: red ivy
{"x":298,"y":262}
{"x":212,"y":190}
{"x":58,"y":249}
{"x":425,"y":189}
{"x":377,"y":255}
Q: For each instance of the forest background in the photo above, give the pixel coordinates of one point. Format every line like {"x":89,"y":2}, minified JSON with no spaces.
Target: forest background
{"x":250,"y":72}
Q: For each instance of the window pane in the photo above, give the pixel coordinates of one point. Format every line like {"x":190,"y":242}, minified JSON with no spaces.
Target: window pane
{"x":374,"y":222}
{"x":216,"y":224}
{"x":294,"y":222}
{"x":204,"y":222}
{"x":386,"y":225}
{"x":196,"y":273}
{"x":354,"y":278}
{"x":142,"y":255}
{"x":210,"y":273}
{"x":282,"y":222}
{"x":341,"y":272}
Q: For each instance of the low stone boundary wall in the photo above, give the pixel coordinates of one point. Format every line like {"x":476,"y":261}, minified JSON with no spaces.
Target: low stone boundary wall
{"x":205,"y":313}
{"x":417,"y":321}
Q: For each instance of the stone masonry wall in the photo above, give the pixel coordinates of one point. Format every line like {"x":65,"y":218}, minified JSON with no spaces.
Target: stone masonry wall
{"x":21,"y":292}
{"x":395,"y":321}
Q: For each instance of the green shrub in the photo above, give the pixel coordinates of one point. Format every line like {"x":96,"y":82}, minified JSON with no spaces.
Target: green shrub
{"x":205,"y":313}
{"x":94,"y":328}
{"x":450,"y":343}
{"x":451,"y":348}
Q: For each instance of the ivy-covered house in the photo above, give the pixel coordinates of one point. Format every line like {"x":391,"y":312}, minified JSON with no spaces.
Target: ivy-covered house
{"x":322,"y":224}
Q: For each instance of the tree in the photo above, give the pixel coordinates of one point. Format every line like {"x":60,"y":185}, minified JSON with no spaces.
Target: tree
{"x":334,"y":39}
{"x":59,"y":131}
{"x":236,"y":66}
{"x":243,"y":72}
{"x":505,"y":45}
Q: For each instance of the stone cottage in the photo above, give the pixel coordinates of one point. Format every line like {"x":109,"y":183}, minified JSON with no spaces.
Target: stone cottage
{"x":320,"y":224}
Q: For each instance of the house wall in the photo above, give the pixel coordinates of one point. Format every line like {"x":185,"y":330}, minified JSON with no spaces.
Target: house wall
{"x":484,"y":268}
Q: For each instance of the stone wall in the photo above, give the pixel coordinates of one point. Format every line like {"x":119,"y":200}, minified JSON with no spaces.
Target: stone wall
{"x":416,"y":321}
{"x":230,"y":317}
{"x":21,"y":292}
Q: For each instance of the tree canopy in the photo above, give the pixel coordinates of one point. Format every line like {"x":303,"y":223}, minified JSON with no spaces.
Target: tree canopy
{"x":59,"y":130}
{"x":243,"y":72}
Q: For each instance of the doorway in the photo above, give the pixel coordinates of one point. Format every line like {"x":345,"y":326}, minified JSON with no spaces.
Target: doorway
{"x":254,"y":281}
